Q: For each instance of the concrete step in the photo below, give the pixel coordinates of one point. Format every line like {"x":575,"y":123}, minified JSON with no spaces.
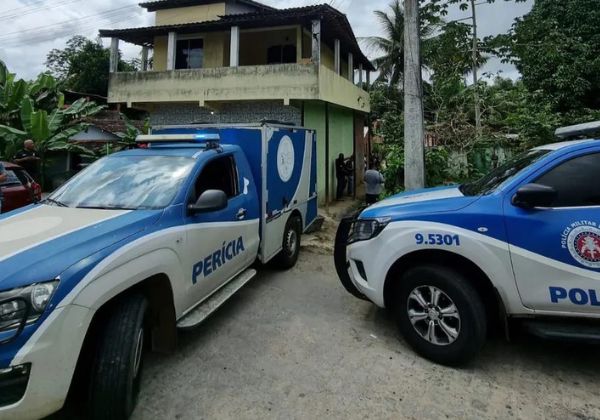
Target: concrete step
{"x":214,"y":302}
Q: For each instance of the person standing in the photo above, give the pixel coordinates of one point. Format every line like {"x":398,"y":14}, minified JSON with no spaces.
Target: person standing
{"x":3,"y":177}
{"x":374,"y":185}
{"x":28,"y":159}
{"x":350,"y":175}
{"x":340,"y":174}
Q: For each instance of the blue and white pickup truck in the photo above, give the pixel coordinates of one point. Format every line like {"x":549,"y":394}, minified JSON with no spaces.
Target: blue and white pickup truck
{"x":519,"y":246}
{"x":139,"y":244}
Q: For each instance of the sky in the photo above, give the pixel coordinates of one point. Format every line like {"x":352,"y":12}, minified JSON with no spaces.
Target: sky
{"x":33,"y":27}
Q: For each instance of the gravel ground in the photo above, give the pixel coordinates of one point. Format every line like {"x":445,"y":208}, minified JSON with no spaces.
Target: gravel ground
{"x":296,"y":345}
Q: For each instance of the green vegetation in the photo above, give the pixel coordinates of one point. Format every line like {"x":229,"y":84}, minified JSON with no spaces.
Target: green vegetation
{"x":36,"y":110}
{"x":83,"y":66}
{"x":556,"y":47}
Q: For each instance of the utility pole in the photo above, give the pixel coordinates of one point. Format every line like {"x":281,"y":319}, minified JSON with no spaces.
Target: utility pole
{"x":414,"y":127}
{"x":475,"y":77}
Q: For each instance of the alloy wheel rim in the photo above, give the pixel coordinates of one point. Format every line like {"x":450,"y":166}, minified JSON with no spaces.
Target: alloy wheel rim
{"x":433,"y":315}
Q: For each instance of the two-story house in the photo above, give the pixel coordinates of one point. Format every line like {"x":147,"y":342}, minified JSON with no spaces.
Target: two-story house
{"x":239,"y":61}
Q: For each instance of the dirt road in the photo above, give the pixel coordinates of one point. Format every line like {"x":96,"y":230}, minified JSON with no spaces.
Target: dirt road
{"x":295,"y":345}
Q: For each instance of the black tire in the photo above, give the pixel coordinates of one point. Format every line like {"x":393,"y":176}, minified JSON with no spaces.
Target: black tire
{"x":114,"y":379}
{"x":288,"y":257}
{"x":470,"y":326}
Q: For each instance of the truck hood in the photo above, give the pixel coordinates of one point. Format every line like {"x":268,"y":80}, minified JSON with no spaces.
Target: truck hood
{"x":431,"y":200}
{"x":40,"y":242}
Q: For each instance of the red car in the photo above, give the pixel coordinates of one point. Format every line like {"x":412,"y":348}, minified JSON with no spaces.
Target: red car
{"x":19,"y":189}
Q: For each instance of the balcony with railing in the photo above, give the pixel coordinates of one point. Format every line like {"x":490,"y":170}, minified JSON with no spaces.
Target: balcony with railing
{"x":282,"y":63}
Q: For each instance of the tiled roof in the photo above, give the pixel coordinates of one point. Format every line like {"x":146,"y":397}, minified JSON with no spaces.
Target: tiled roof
{"x":334,"y":25}
{"x":153,"y":6}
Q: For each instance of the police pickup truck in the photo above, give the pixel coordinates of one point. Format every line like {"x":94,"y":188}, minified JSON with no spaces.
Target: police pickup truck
{"x":521,"y":245}
{"x":139,"y":244}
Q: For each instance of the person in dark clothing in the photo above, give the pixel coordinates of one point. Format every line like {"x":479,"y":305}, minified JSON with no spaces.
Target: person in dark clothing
{"x":341,"y":176}
{"x":28,"y":159}
{"x":350,"y":175}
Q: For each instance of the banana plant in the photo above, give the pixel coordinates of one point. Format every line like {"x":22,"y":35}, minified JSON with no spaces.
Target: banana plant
{"x":11,"y":95}
{"x":131,"y":131}
{"x":49,"y":131}
{"x":44,"y":91}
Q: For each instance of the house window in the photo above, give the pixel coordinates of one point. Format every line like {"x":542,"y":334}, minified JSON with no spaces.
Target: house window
{"x":190,"y":54}
{"x":280,"y":54}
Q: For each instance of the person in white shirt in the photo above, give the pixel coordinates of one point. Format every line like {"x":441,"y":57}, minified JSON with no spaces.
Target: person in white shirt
{"x":374,"y":182}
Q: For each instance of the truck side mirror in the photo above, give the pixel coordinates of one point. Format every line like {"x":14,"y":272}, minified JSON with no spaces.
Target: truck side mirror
{"x":210,"y":200}
{"x":534,"y":195}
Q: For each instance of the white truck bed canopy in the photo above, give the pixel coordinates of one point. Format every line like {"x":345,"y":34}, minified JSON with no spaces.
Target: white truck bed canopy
{"x":587,"y":129}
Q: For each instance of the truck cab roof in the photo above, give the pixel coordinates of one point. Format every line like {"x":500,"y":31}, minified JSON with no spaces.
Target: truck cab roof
{"x":572,"y":145}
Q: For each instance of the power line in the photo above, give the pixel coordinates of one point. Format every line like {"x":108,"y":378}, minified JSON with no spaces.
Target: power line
{"x":29,"y":6}
{"x":102,"y":15}
{"x":35,"y":10}
{"x":39,"y":38}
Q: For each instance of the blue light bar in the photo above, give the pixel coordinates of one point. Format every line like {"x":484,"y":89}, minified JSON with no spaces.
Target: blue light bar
{"x":179,"y":138}
{"x":208,"y":137}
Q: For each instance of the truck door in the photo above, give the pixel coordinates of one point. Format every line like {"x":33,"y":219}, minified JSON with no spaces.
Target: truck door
{"x":556,"y":251}
{"x":221,"y":244}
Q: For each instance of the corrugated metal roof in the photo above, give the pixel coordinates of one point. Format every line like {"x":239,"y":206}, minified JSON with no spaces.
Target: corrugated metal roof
{"x":334,"y":25}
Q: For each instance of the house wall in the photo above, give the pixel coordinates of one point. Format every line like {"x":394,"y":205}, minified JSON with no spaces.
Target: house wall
{"x":341,"y":140}
{"x":314,"y":118}
{"x":254,"y":45}
{"x":338,"y":90}
{"x":234,"y":7}
{"x":306,"y":44}
{"x":159,"y":61}
{"x":284,"y":82}
{"x":328,"y":60}
{"x":190,"y":14}
{"x":216,"y":50}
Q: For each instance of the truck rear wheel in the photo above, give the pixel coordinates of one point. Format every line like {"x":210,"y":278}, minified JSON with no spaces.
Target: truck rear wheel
{"x":441,"y":315}
{"x":288,"y":257}
{"x":117,"y":367}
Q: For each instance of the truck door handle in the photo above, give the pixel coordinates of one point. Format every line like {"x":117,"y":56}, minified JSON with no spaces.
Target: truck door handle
{"x":241,"y":214}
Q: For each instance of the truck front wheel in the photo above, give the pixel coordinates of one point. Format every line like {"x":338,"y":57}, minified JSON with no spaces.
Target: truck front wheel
{"x":116,"y":370}
{"x":441,"y":315}
{"x":292,"y":234}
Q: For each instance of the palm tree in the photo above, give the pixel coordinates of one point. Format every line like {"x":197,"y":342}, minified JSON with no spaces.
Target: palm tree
{"x":391,"y":63}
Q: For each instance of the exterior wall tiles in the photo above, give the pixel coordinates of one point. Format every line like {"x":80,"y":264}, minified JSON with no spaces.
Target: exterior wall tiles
{"x":237,"y":112}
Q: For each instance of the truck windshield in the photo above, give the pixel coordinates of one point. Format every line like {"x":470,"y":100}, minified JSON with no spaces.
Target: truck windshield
{"x":503,"y":173}
{"x":125,"y":183}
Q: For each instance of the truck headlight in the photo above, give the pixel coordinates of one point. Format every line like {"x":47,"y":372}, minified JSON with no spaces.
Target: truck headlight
{"x":366,"y":229}
{"x":19,"y":307}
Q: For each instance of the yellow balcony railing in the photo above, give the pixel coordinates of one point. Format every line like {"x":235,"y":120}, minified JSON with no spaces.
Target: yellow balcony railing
{"x":285,"y":82}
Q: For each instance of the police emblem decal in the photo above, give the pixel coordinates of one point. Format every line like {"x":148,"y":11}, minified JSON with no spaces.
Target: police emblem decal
{"x":583,"y":243}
